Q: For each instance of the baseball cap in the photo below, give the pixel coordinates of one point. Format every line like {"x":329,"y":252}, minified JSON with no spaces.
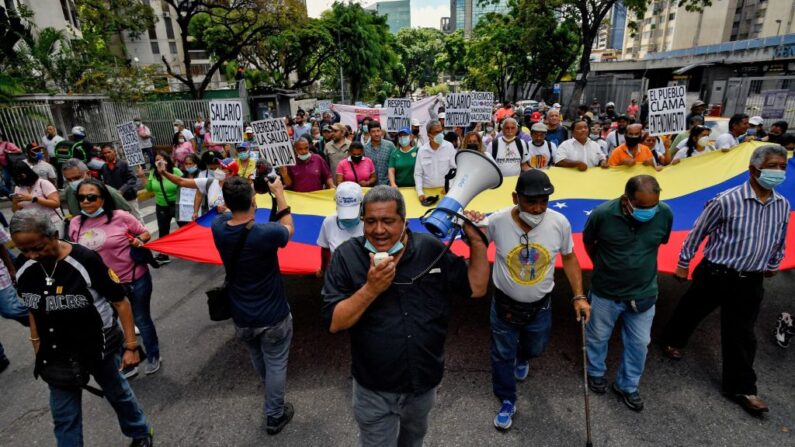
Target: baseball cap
{"x":404,"y":130}
{"x":610,"y":104}
{"x":538,"y":127}
{"x":243,"y":145}
{"x":556,"y":105}
{"x":349,"y":200}
{"x":698,"y":103}
{"x":756,"y":120}
{"x":534,"y":182}
{"x":327,"y":128}
{"x":339,"y":126}
{"x":178,"y":123}
{"x":441,"y":115}
{"x":230,"y":164}
{"x":249,"y":129}
{"x":535,"y":116}
{"x":415,"y":122}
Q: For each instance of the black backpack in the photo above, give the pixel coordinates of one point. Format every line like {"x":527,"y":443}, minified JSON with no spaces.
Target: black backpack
{"x":519,"y":143}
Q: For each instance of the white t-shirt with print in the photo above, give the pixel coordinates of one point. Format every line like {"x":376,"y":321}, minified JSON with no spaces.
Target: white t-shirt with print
{"x":215,"y":196}
{"x":540,"y":157}
{"x":332,"y":234}
{"x":526,"y":272}
{"x":510,"y":157}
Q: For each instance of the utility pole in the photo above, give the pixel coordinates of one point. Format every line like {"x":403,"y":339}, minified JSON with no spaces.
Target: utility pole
{"x":339,"y":61}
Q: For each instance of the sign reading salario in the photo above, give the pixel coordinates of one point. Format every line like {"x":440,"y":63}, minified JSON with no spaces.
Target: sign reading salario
{"x":274,"y":141}
{"x":128,"y":136}
{"x":398,"y":113}
{"x":226,"y":121}
{"x":667,"y":110}
{"x":457,"y":109}
{"x":481,"y":107}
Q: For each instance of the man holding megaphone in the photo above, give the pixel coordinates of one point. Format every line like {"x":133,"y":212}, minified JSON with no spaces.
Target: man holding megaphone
{"x":391,"y":289}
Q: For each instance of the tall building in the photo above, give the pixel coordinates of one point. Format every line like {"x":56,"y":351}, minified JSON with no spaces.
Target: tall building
{"x":465,"y":14}
{"x":397,"y":12}
{"x":668,"y":26}
{"x":58,"y":14}
{"x":610,"y":39}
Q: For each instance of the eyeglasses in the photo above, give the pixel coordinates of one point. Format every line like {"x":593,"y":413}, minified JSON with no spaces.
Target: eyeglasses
{"x":87,"y":197}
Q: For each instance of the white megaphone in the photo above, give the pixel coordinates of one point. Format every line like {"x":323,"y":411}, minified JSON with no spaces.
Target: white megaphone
{"x":474,"y":173}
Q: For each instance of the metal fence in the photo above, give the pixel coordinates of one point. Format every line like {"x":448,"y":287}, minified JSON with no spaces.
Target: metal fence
{"x":158,"y":116}
{"x":23,"y":124}
{"x":747,"y":95}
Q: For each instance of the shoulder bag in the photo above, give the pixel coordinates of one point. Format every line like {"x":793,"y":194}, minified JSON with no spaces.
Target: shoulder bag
{"x":218,"y":302}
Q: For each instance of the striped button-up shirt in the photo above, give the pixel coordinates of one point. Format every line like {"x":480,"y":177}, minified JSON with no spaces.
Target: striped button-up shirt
{"x":380,"y":155}
{"x":744,"y":233}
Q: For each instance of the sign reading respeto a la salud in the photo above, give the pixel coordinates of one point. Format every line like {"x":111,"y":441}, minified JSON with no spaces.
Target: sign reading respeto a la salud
{"x":667,"y":110}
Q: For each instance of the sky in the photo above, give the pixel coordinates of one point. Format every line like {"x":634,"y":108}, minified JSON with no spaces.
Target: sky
{"x":424,"y":13}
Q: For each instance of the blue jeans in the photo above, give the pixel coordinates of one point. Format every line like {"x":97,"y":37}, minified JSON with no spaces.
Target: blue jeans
{"x":11,"y":307}
{"x":66,"y":408}
{"x":269,"y":348}
{"x":510,"y":342}
{"x":140,"y":299}
{"x":635,"y":336}
{"x":8,"y":182}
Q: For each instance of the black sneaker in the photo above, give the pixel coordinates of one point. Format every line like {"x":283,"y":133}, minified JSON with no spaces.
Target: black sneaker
{"x":162,"y":259}
{"x":4,"y":364}
{"x":597,"y":384}
{"x":148,"y":441}
{"x":785,"y":330}
{"x":632,"y":400}
{"x":275,"y":425}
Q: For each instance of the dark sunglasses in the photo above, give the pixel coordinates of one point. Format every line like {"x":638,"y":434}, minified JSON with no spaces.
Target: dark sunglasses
{"x":87,"y":197}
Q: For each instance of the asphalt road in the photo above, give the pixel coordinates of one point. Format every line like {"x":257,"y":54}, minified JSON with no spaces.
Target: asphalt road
{"x":208,"y":394}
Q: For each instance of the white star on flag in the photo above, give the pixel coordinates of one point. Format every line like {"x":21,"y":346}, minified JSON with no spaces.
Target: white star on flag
{"x":588,"y":213}
{"x":560,"y":205}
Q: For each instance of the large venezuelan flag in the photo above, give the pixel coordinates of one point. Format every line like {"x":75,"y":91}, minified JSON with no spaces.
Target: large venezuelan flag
{"x":686,"y":188}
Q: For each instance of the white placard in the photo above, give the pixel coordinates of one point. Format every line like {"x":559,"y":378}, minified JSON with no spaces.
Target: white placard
{"x":129,"y":144}
{"x":274,"y":141}
{"x":482,"y":103}
{"x":226,"y":121}
{"x":667,"y":110}
{"x":398,"y":113}
{"x":456,"y":109}
{"x":323,"y":105}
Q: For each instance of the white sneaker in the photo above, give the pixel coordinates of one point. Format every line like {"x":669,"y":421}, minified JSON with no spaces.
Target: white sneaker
{"x":137,"y":331}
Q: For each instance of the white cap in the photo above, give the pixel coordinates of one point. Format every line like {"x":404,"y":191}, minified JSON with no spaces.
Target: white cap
{"x":539,"y":127}
{"x":556,"y":105}
{"x":610,"y":104}
{"x":441,"y":115}
{"x":415,"y":122}
{"x":349,"y":200}
{"x":249,"y":129}
{"x":755,"y":120}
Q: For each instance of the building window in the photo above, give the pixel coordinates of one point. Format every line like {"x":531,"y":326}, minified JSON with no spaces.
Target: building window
{"x":155,"y":48}
{"x":169,"y":27}
{"x":199,"y":69}
{"x":70,"y":13}
{"x":152,"y":33}
{"x":172,"y":47}
{"x":671,"y":16}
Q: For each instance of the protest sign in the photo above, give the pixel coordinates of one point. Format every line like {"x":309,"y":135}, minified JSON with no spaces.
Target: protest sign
{"x":456,"y":109}
{"x":667,"y":110}
{"x":482,"y":103}
{"x":274,"y":141}
{"x":128,"y":136}
{"x":398,"y":113}
{"x":226,"y":121}
{"x":775,"y":103}
{"x":323,"y":105}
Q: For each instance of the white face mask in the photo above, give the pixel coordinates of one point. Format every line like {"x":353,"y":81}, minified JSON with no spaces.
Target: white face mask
{"x":219,"y":174}
{"x":176,"y":129}
{"x":703,"y":141}
{"x":533,"y":220}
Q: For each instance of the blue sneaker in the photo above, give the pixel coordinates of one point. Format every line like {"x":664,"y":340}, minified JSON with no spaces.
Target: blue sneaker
{"x":521,"y":371}
{"x":503,"y":420}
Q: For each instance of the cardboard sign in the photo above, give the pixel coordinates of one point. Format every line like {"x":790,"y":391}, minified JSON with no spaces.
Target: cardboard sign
{"x":274,"y":142}
{"x":456,"y":109}
{"x":398,"y":114}
{"x":128,"y":136}
{"x":482,"y":103}
{"x":226,"y":119}
{"x":775,"y":104}
{"x":667,"y":110}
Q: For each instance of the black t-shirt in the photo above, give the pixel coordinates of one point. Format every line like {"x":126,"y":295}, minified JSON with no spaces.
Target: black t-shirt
{"x":74,"y":314}
{"x":256,"y":289}
{"x":397,"y":345}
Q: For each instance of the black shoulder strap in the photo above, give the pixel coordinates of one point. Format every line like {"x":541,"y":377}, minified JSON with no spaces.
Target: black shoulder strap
{"x":616,"y":135}
{"x":520,"y":144}
{"x":494,"y":147}
{"x":238,"y":249}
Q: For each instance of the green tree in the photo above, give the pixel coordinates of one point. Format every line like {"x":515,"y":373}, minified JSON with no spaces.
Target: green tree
{"x":110,"y":19}
{"x":451,"y":59}
{"x":418,"y":49}
{"x":224,"y":29}
{"x":364,"y":45}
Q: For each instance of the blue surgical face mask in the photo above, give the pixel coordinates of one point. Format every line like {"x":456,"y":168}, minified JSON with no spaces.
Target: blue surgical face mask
{"x":243,"y":155}
{"x":644,"y":214}
{"x":75,"y":183}
{"x":39,"y":156}
{"x":770,"y":178}
{"x":439,"y":138}
{"x":395,"y":248}
{"x":404,"y":141}
{"x":364,"y":127}
{"x":191,"y":169}
{"x":96,"y":213}
{"x":349,"y":223}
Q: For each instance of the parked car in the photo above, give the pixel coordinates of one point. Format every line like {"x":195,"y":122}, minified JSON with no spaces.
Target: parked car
{"x":718,"y":125}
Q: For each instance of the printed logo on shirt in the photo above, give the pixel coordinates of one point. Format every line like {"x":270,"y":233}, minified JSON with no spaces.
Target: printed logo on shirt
{"x":528,"y":265}
{"x":93,"y":239}
{"x":54,"y":302}
{"x":113,"y":276}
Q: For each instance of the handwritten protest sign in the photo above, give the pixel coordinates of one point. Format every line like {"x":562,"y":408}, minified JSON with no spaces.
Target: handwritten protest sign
{"x":129,"y":144}
{"x":274,"y":141}
{"x":667,"y":110}
{"x":398,"y":113}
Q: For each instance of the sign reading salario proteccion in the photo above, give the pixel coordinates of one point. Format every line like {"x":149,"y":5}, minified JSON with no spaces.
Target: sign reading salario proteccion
{"x":398,"y":113}
{"x":226,"y":121}
{"x":456,"y":110}
{"x":274,"y":141}
{"x":667,"y":110}
{"x":128,"y":136}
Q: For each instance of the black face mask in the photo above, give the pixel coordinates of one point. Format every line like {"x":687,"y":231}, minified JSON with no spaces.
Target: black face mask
{"x":356,"y":158}
{"x":622,"y":130}
{"x":415,"y":131}
{"x":472,"y":146}
{"x":773,"y":138}
{"x":632,"y":141}
{"x":538,"y":144}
